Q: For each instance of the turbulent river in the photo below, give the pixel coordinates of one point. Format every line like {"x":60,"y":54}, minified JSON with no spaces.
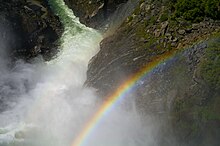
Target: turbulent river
{"x":45,"y":103}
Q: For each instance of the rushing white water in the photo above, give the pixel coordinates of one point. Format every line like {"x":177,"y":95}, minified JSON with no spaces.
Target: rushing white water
{"x":46,"y":104}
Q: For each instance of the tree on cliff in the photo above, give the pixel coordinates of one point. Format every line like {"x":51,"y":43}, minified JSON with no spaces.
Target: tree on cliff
{"x":196,"y":10}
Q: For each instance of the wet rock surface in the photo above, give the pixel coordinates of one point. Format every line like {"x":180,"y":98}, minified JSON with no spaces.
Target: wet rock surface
{"x":178,"y":90}
{"x":29,"y":28}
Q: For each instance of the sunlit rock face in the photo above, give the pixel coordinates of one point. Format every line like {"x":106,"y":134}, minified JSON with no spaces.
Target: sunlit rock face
{"x":34,"y":29}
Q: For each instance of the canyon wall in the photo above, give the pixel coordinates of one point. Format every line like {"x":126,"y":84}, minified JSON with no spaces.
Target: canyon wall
{"x":30,"y":28}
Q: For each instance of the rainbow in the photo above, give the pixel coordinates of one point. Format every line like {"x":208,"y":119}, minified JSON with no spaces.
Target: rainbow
{"x":124,"y":89}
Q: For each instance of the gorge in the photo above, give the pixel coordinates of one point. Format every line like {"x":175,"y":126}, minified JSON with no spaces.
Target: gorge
{"x":117,"y":73}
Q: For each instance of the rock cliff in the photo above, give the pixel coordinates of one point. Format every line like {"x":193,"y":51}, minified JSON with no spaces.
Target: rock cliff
{"x":94,"y":13}
{"x":184,"y":90}
{"x":141,"y":38}
{"x":29,"y":28}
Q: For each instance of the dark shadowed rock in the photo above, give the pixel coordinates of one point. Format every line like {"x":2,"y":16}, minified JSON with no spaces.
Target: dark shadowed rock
{"x":95,"y":13}
{"x":35,"y":29}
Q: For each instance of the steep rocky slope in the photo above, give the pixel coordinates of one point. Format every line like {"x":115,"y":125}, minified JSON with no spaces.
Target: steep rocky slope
{"x":29,"y":28}
{"x":141,"y":38}
{"x":184,"y":90}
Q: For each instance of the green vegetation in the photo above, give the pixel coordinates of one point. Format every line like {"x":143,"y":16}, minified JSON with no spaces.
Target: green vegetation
{"x":210,"y":67}
{"x":164,"y":17}
{"x":195,"y":112}
{"x":196,"y":10}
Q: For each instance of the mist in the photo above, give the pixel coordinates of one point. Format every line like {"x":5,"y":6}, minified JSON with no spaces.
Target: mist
{"x":45,"y":103}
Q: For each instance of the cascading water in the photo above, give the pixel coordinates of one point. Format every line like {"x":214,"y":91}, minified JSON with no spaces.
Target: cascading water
{"x":47,"y":105}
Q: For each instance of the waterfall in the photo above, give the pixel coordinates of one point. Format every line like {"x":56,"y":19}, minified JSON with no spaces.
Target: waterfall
{"x":47,"y":105}
{"x":41,"y":90}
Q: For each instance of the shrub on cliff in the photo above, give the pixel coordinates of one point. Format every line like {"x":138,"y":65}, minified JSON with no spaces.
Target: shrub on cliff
{"x":212,"y":8}
{"x":210,"y":68}
{"x":196,"y":10}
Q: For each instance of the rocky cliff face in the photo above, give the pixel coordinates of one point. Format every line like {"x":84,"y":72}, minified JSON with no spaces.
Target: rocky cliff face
{"x":141,"y":38}
{"x":95,"y":13}
{"x":184,"y":90}
{"x":29,"y":27}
